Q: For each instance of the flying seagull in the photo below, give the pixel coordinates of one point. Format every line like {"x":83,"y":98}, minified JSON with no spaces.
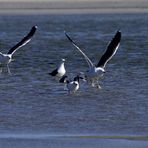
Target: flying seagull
{"x":72,"y":86}
{"x":5,"y":59}
{"x":60,"y":70}
{"x":95,"y":72}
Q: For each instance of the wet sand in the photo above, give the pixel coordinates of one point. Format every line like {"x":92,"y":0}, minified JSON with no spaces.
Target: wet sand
{"x":74,"y":142}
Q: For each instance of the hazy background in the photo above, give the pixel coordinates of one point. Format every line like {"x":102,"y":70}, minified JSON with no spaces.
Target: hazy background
{"x":67,"y":6}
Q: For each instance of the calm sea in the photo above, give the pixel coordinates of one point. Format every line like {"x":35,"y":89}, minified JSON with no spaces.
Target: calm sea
{"x":32,"y":102}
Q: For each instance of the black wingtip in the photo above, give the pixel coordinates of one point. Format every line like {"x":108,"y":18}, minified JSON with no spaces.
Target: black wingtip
{"x":111,"y":49}
{"x":35,"y":26}
{"x":119,"y":32}
{"x":33,"y":29}
{"x":116,"y":39}
{"x":24,"y":41}
{"x":32,"y":32}
{"x":51,"y":74}
{"x":118,"y":35}
{"x":68,"y":37}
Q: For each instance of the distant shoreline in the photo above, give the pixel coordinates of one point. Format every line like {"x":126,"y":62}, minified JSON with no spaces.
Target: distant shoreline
{"x":71,"y":7}
{"x":71,"y":11}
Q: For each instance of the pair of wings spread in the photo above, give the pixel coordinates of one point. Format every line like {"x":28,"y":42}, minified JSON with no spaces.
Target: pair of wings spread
{"x":109,"y":53}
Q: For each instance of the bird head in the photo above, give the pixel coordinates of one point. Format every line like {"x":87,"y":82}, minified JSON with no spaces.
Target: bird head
{"x":63,"y":60}
{"x":77,"y":78}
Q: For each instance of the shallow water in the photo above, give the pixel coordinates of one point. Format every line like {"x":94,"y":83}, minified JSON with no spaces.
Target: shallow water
{"x":33,"y":102}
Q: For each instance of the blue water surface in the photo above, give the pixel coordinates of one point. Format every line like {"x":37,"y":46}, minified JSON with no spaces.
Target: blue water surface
{"x":33,"y":102}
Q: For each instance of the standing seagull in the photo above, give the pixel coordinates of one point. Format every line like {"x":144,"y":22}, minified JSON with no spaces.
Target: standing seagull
{"x":60,"y":70}
{"x":5,"y":59}
{"x":96,"y":72}
{"x":72,"y":86}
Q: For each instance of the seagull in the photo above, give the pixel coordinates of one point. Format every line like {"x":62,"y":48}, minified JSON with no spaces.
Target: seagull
{"x":72,"y":86}
{"x":96,"y":72}
{"x":60,"y":70}
{"x":5,"y":59}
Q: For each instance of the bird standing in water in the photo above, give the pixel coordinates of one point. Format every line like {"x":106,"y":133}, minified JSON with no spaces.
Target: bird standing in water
{"x":72,"y":86}
{"x":60,"y":70}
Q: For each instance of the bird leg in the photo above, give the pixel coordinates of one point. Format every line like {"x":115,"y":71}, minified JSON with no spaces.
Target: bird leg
{"x":65,"y":87}
{"x":95,"y":83}
{"x":8,"y":69}
{"x":1,"y":69}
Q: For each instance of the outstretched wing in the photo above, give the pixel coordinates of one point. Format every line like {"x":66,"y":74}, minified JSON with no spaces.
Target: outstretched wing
{"x":90,"y":64}
{"x":111,"y":50}
{"x":24,"y":41}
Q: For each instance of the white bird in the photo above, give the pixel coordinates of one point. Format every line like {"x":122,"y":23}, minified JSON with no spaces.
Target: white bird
{"x":72,"y":86}
{"x":60,"y":70}
{"x":5,"y":59}
{"x":94,"y":73}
